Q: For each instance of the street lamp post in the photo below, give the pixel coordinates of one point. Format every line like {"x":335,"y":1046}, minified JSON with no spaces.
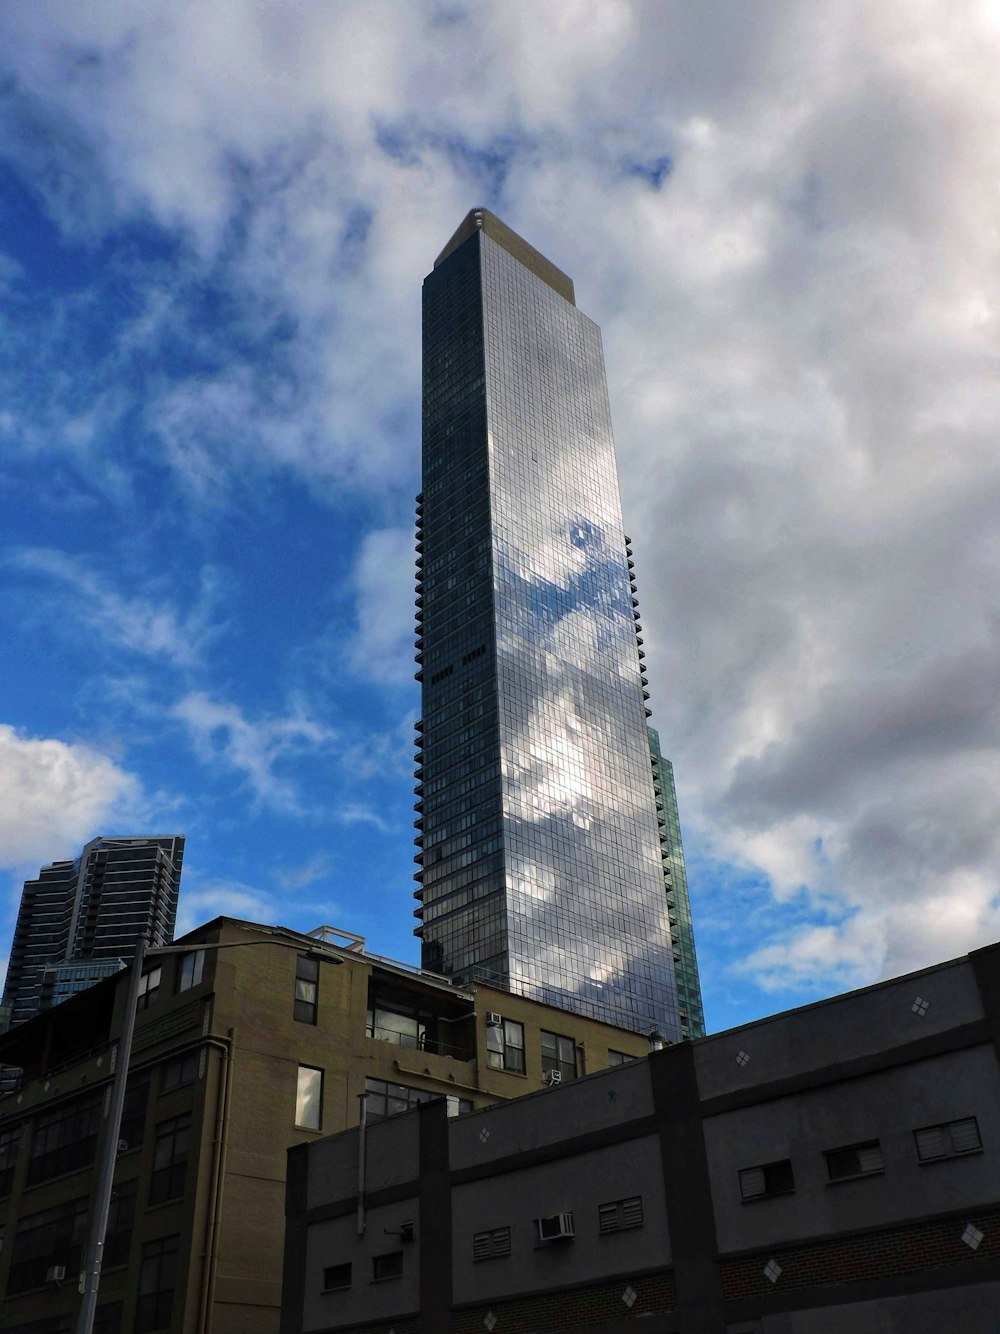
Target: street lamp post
{"x":90,"y":1273}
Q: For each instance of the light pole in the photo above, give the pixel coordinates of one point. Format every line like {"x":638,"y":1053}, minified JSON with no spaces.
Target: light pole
{"x":90,"y":1273}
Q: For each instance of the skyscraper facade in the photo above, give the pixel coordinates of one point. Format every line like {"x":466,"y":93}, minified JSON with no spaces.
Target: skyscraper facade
{"x":79,"y":918}
{"x":540,"y":863}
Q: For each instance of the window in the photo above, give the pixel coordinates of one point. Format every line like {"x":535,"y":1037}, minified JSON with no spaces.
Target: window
{"x":180,"y":1071}
{"x":53,"y":1237}
{"x":173,"y":1140}
{"x":53,"y":1324}
{"x":108,"y":1318}
{"x":385,"y":1099}
{"x":133,"y":1125}
{"x":757,"y":1183}
{"x":157,"y":1279}
{"x":309,"y":1098}
{"x":618,"y":1215}
{"x":389,"y":1265}
{"x":618,"y":1057}
{"x":559,"y":1055}
{"x":857,"y":1160}
{"x":65,"y":1139}
{"x":505,"y":1046}
{"x":948,"y":1140}
{"x":149,"y":986}
{"x":121,"y":1213}
{"x":306,"y":989}
{"x":491,"y":1245}
{"x":336,"y":1276}
{"x":10,"y":1143}
{"x":190,"y":971}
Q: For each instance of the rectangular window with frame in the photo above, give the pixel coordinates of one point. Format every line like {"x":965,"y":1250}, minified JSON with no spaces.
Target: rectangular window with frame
{"x":309,"y":1098}
{"x":760,"y":1183}
{"x":618,"y":1057}
{"x":950,"y":1139}
{"x":170,"y":1158}
{"x":619,"y":1215}
{"x":65,"y":1139}
{"x":855,"y":1160}
{"x":389,"y":1265}
{"x":492,"y":1244}
{"x":559,"y":1055}
{"x":149,"y":987}
{"x":505,"y":1046}
{"x":386,"y":1099}
{"x":336,"y":1276}
{"x":180,"y":1071}
{"x":306,"y":989}
{"x":190,"y":970}
{"x":133,"y":1124}
{"x":121,"y":1216}
{"x":10,"y":1144}
{"x":157,"y":1280}
{"x":53,"y":1237}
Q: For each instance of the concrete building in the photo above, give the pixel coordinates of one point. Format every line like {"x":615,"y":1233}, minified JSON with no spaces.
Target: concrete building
{"x":79,"y":920}
{"x":832,"y":1170}
{"x":239,"y":1053}
{"x":540,"y":866}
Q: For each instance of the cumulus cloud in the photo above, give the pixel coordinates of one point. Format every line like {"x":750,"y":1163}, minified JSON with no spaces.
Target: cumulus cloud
{"x":222,"y":735}
{"x":54,"y":795}
{"x":787,"y":234}
{"x":381,"y":647}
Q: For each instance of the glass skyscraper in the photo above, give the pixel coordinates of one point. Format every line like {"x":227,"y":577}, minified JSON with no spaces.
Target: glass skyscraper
{"x":540,"y":861}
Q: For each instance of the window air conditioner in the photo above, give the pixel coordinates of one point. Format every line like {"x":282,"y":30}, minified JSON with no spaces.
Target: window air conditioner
{"x":552,"y":1076}
{"x":556,"y":1228}
{"x":494,"y":1020}
{"x":55,"y":1273}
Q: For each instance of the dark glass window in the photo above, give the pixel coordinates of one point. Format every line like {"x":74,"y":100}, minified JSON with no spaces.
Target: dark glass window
{"x":108,"y":1318}
{"x":173,"y":1141}
{"x":336,"y":1276}
{"x":157,"y":1279}
{"x":10,"y":1143}
{"x":505,"y":1045}
{"x":133,"y":1124}
{"x":149,"y":987}
{"x":389,"y":1265}
{"x":757,"y":1183}
{"x":385,"y":1099}
{"x":856,"y":1160}
{"x":53,"y":1237}
{"x":121,"y":1215}
{"x":189,"y":973}
{"x":558,"y":1054}
{"x":183,"y":1070}
{"x":54,"y":1324}
{"x":618,"y":1057}
{"x":65,"y":1139}
{"x":306,"y":989}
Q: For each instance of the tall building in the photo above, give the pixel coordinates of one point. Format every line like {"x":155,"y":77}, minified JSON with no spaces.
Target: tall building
{"x":692,"y":1013}
{"x":540,"y":866}
{"x":80,"y":920}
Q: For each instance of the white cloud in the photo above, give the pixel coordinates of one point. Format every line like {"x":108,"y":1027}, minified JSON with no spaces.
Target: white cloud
{"x":381,"y":647}
{"x":223,"y":736}
{"x":54,"y":795}
{"x":152,"y":628}
{"x":224,"y":898}
{"x":299,"y":877}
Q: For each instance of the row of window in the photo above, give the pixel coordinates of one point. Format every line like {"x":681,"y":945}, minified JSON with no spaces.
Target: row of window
{"x":190,"y":969}
{"x":505,"y":1050}
{"x":949,"y":1139}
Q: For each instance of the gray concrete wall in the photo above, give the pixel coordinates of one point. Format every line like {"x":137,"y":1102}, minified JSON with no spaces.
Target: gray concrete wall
{"x":336,"y":1241}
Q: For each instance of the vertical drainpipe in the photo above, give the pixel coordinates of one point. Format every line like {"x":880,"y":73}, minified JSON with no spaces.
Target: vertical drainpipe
{"x":219,"y":1145}
{"x":362,"y":1136}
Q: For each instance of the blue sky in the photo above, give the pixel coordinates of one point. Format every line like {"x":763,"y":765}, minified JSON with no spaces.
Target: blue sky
{"x":214,"y":223}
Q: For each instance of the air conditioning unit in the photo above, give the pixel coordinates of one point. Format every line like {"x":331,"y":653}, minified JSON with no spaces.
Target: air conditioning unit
{"x":55,"y":1273}
{"x":552,"y":1076}
{"x":123,"y":1146}
{"x":556,"y":1228}
{"x":494,"y":1020}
